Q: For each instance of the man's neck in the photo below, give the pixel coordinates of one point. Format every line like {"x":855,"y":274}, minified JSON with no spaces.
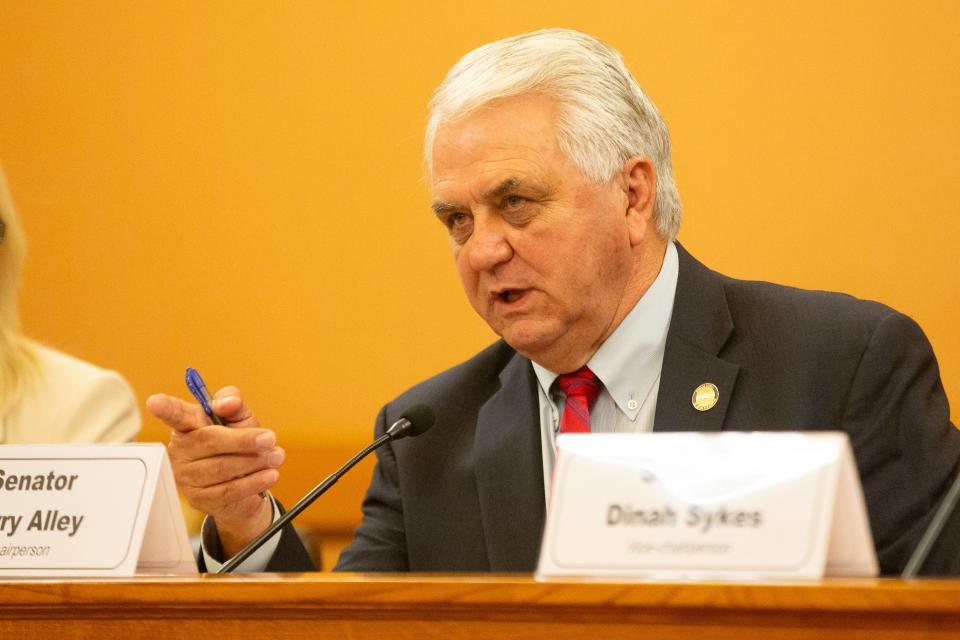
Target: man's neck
{"x":566,"y":358}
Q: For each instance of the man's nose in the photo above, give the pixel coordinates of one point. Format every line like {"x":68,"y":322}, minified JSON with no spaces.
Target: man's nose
{"x":488,"y":245}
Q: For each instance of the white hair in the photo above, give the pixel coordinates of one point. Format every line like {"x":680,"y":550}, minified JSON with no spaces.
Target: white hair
{"x":605,"y":120}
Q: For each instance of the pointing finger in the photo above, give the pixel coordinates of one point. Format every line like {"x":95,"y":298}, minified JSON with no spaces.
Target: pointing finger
{"x":177,"y":414}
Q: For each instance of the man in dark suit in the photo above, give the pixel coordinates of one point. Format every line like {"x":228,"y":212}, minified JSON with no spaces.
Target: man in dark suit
{"x":468,"y":494}
{"x":551,"y":171}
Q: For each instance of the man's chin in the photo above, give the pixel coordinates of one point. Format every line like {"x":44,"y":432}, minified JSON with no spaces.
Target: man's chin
{"x":530,"y":344}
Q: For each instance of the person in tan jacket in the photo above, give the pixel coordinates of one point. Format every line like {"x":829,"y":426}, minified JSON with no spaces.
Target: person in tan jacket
{"x":47,"y":396}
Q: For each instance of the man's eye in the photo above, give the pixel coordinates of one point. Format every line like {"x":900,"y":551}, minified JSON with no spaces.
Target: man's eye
{"x":513,"y":202}
{"x":460,"y":226}
{"x":457,"y":220}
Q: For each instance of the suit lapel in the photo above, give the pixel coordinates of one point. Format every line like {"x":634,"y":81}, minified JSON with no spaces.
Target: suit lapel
{"x":699,"y":328}
{"x":509,"y":465}
{"x":509,"y":470}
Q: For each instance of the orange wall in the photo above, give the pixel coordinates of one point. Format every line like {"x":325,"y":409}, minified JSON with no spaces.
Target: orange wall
{"x":236,"y":186}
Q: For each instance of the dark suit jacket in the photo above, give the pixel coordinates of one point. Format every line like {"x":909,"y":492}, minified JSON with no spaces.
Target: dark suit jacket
{"x":468,"y":494}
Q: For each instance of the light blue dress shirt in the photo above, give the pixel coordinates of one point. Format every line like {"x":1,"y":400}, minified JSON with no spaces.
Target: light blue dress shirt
{"x":628,"y":364}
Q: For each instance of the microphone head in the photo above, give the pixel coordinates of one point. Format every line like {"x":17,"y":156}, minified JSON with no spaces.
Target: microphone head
{"x":420,"y":417}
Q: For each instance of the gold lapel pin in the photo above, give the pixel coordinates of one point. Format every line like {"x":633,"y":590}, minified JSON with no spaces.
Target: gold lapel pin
{"x":705,"y":396}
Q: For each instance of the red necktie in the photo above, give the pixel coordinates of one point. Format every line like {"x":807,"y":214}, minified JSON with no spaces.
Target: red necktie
{"x":581,"y":388}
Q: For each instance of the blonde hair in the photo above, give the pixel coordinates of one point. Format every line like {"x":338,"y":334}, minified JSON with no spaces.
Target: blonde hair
{"x":606,"y":117}
{"x":19,"y":367}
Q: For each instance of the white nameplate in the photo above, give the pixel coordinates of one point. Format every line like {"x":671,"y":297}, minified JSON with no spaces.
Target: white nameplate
{"x":90,"y":510}
{"x":698,"y":505}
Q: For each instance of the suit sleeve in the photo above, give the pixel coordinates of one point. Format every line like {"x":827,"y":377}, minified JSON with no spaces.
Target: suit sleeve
{"x":380,"y":542}
{"x":290,"y":554}
{"x":898,"y":419}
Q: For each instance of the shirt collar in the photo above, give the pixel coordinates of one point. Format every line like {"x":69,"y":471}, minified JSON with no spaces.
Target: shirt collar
{"x":629,"y":361}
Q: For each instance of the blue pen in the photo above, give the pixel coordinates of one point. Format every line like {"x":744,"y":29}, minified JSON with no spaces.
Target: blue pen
{"x":199,"y":391}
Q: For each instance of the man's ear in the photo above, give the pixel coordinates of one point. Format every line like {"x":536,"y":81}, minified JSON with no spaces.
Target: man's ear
{"x":640,"y":179}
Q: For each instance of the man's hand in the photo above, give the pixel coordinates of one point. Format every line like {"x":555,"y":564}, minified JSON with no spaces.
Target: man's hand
{"x":222,"y":471}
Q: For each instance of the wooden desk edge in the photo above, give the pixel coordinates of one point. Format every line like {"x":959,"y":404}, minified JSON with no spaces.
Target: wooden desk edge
{"x":502,"y":592}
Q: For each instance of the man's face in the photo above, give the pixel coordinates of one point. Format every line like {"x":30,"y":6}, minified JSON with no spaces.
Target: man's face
{"x":545,"y":256}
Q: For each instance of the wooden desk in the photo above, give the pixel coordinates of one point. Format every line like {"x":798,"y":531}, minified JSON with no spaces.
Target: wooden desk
{"x":471,"y":606}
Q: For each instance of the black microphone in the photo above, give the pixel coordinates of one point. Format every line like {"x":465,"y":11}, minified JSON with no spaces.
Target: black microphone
{"x":412,"y":422}
{"x":932,"y":534}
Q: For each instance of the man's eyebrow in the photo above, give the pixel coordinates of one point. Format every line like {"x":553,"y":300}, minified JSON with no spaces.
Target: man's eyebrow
{"x":440,"y":207}
{"x":502,"y":188}
{"x":508,"y":185}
